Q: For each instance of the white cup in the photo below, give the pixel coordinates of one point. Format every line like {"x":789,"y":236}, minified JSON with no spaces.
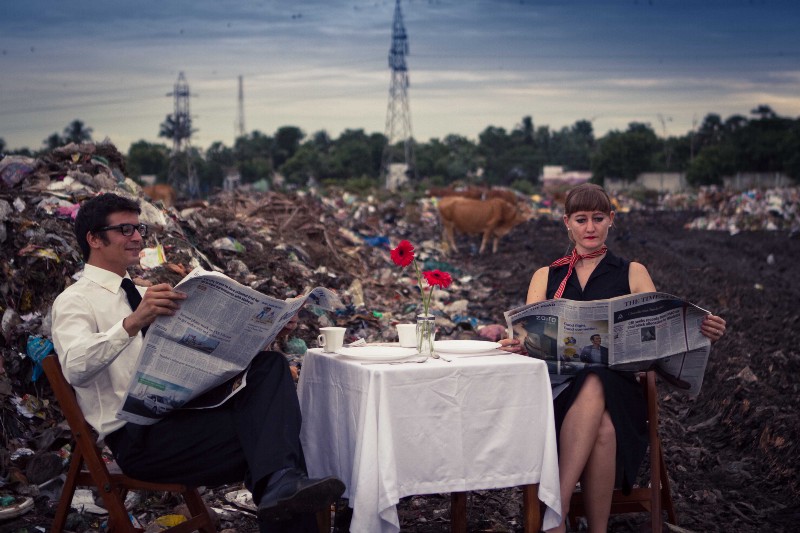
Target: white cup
{"x":407,"y":334}
{"x":331,"y":338}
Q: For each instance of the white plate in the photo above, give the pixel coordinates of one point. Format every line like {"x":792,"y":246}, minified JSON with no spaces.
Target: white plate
{"x":376,"y":353}
{"x":465,"y":346}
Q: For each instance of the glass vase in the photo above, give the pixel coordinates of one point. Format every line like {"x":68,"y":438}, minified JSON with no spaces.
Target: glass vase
{"x":426,"y":331}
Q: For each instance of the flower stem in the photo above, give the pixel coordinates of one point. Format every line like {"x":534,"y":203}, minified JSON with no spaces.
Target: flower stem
{"x":425,"y":303}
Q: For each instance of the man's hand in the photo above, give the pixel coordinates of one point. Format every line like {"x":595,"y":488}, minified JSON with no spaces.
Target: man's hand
{"x":158,"y":300}
{"x":290,"y":326}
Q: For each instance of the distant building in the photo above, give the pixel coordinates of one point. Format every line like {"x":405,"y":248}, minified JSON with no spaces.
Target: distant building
{"x":554,"y":177}
{"x":396,"y":176}
{"x":649,"y":181}
{"x":232,"y":180}
{"x":749,"y":180}
{"x":663,"y":181}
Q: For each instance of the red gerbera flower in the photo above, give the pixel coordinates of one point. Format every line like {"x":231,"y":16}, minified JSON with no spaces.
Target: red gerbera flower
{"x":403,"y":255}
{"x":438,"y":278}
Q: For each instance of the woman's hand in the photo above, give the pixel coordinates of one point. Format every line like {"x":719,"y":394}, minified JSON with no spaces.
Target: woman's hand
{"x":713,"y":327}
{"x":512,"y":345}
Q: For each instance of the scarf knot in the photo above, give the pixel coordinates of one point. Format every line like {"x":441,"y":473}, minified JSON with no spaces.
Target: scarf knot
{"x":571,"y":260}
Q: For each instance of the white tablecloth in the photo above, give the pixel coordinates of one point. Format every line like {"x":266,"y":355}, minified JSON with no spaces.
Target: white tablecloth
{"x":390,"y":431}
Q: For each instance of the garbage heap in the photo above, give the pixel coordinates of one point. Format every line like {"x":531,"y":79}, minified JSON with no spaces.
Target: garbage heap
{"x":280,"y":244}
{"x":769,"y":209}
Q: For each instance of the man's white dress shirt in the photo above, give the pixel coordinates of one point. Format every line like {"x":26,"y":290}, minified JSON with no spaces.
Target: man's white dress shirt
{"x":97,"y":356}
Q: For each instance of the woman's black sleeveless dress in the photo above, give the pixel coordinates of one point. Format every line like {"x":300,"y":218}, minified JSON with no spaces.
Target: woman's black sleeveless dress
{"x":624,"y":400}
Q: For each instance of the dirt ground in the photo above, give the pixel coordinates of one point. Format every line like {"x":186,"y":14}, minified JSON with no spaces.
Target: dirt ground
{"x":732,"y":452}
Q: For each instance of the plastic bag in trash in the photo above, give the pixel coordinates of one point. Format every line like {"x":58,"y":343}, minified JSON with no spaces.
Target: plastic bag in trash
{"x":38,"y":348}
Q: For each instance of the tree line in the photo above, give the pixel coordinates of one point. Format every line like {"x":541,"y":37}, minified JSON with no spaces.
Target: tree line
{"x":762,"y":142}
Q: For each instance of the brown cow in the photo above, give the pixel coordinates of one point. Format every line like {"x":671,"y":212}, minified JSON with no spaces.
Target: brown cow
{"x":492,"y":218}
{"x":163,"y":192}
{"x":476,"y":192}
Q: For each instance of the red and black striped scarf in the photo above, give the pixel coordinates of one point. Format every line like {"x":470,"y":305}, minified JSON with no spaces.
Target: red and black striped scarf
{"x":570,"y":260}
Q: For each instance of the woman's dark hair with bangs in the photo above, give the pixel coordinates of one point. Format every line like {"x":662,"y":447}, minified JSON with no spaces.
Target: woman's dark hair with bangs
{"x":587,"y":197}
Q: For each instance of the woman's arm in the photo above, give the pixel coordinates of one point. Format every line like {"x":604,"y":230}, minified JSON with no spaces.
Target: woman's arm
{"x":712,"y":327}
{"x":536,"y":293}
{"x":639,"y":279}
{"x":537,"y":290}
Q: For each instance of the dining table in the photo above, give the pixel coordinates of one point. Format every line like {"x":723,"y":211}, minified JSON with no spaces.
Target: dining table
{"x":395,"y":427}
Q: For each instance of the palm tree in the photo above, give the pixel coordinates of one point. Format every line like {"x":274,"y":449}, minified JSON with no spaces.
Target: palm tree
{"x":77,"y":132}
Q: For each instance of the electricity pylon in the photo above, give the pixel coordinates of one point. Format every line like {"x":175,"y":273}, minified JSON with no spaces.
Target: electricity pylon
{"x":181,"y":125}
{"x":398,"y":116}
{"x":240,"y":118}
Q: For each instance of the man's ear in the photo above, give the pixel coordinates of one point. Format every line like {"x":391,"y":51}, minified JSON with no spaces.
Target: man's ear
{"x":95,"y":241}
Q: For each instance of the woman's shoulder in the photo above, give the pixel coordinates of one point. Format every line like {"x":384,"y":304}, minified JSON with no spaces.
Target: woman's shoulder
{"x":614,"y":260}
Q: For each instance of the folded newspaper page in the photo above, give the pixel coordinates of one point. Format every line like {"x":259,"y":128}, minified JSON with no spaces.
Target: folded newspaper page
{"x":633,"y":332}
{"x":219,"y":329}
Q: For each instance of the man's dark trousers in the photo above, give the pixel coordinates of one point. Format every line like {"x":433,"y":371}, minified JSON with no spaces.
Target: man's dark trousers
{"x":253,"y":434}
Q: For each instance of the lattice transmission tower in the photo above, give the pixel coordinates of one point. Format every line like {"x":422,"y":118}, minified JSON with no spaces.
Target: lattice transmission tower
{"x":397,"y":164}
{"x":240,"y":116}
{"x":182,"y":174}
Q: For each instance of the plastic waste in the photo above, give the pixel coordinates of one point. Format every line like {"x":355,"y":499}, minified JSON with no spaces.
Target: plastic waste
{"x":37,"y":349}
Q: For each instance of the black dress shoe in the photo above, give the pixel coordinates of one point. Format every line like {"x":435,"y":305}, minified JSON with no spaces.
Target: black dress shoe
{"x":293,"y":493}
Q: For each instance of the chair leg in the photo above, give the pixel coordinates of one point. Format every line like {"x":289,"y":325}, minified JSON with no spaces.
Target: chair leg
{"x":324,"y":519}
{"x":666,"y":492}
{"x":655,"y":451}
{"x":458,"y":512}
{"x":531,"y":511}
{"x":197,"y":507}
{"x":65,"y":502}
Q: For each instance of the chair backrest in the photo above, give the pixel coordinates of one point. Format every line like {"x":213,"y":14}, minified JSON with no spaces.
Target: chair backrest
{"x":657,"y":496}
{"x":112,"y":487}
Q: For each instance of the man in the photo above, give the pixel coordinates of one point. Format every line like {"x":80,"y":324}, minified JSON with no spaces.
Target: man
{"x":594,"y":353}
{"x":254,"y":436}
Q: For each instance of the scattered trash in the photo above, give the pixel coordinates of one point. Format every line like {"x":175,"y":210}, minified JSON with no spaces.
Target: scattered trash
{"x":13,"y":506}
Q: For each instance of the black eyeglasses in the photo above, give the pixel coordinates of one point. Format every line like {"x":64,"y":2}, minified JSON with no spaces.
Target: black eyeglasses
{"x":127,"y":229}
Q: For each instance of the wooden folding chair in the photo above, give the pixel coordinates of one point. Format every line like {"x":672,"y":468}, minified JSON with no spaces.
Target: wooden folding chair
{"x":655,"y":498}
{"x":531,"y":510}
{"x":87,"y":469}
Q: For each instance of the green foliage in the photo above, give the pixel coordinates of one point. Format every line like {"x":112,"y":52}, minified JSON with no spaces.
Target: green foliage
{"x":361,"y":185}
{"x":523,"y":186}
{"x":710,"y":166}
{"x":763,"y":142}
{"x":148,"y":158}
{"x":287,"y":141}
{"x":77,"y":132}
{"x":625,"y":154}
{"x":179,"y":128}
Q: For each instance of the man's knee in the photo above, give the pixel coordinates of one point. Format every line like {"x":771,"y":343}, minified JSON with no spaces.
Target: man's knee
{"x":270,"y":360}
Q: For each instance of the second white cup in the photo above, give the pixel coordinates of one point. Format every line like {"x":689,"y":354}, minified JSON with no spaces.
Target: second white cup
{"x":407,"y":334}
{"x":331,"y":338}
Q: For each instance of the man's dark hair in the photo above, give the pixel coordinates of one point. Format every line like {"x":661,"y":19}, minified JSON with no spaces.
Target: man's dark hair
{"x":595,"y":335}
{"x":94,"y":213}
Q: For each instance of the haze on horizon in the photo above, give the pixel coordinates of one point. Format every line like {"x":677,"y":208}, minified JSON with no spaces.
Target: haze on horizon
{"x":321,"y":65}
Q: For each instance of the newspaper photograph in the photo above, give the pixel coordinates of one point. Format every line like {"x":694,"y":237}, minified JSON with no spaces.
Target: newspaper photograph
{"x":633,"y":332}
{"x":219,"y":329}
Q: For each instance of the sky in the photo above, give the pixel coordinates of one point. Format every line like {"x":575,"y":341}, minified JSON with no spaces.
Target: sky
{"x":322,"y":65}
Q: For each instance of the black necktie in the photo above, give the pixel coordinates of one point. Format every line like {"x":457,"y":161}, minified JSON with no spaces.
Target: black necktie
{"x":134,"y":298}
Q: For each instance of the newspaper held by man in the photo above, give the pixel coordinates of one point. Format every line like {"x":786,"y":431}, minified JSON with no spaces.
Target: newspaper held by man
{"x":633,"y":332}
{"x":219,"y":329}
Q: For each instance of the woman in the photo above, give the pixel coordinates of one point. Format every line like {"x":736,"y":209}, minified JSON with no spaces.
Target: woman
{"x":601,"y":415}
